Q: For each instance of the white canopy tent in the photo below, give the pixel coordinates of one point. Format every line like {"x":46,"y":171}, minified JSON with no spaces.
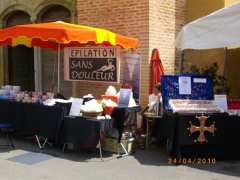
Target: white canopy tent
{"x":217,"y":30}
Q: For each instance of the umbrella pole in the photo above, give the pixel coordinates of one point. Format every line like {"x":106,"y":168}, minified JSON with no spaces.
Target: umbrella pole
{"x":58,"y":59}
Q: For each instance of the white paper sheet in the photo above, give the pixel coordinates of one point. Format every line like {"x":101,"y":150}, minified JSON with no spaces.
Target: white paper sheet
{"x":76,"y":106}
{"x":200,"y":80}
{"x":124,"y":97}
{"x":221,"y":101}
{"x":185,"y":87}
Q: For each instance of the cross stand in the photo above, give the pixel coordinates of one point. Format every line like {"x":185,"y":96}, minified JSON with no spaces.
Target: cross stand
{"x":41,"y":146}
{"x":124,"y":149}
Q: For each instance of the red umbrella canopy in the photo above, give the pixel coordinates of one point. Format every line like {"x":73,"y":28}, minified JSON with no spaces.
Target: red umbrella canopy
{"x":156,"y":70}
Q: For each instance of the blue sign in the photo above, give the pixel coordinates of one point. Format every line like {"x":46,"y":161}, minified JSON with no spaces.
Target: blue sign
{"x":201,"y":88}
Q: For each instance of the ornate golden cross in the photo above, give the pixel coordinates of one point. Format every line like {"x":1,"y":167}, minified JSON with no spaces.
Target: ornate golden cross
{"x":202,"y":128}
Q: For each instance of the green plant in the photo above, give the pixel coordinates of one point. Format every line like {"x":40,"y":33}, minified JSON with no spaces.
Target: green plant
{"x":219,"y":82}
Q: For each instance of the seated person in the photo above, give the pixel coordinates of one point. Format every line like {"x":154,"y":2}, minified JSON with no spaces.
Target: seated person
{"x":154,"y":100}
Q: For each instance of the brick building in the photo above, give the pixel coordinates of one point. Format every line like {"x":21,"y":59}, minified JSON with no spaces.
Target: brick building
{"x":154,"y":22}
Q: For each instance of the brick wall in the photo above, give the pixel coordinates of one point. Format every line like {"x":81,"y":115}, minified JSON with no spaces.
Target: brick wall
{"x":127,"y":17}
{"x":166,"y":19}
{"x":153,"y":22}
{"x":181,"y":19}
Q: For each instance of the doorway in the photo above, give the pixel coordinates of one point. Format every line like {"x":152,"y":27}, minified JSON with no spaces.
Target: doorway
{"x":21,"y":67}
{"x":19,"y":64}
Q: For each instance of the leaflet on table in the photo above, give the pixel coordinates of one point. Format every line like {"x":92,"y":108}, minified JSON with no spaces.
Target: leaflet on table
{"x":124,"y":97}
{"x":76,"y":106}
{"x":185,"y":86}
{"x":221,"y":101}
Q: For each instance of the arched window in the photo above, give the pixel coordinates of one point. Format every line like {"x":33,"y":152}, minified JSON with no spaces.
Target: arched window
{"x":54,"y":13}
{"x":49,"y":58}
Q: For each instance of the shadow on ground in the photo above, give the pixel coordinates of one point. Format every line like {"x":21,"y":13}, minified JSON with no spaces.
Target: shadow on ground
{"x":154,"y":156}
{"x":157,"y":156}
{"x":83,"y":155}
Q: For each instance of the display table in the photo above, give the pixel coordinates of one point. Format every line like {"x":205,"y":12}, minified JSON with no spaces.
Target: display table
{"x":84,"y":132}
{"x":181,"y":142}
{"x":119,"y":116}
{"x":121,"y":122}
{"x":232,"y":136}
{"x":32,"y":119}
{"x":212,"y":134}
{"x":53,"y":123}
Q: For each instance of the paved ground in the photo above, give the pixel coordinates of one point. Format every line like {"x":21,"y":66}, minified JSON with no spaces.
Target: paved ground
{"x":143,"y":165}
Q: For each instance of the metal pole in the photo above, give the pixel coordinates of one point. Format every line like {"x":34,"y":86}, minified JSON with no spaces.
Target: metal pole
{"x":181,"y":61}
{"x":225,"y":61}
{"x":58,"y":80}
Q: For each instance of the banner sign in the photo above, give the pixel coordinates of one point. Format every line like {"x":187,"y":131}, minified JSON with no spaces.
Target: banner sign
{"x":91,"y":64}
{"x":131,"y":72}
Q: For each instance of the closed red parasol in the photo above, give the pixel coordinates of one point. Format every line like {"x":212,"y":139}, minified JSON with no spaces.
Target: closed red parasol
{"x":156,"y":70}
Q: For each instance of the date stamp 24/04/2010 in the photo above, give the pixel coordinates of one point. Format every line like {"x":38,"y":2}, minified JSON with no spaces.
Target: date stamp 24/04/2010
{"x":197,"y":161}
